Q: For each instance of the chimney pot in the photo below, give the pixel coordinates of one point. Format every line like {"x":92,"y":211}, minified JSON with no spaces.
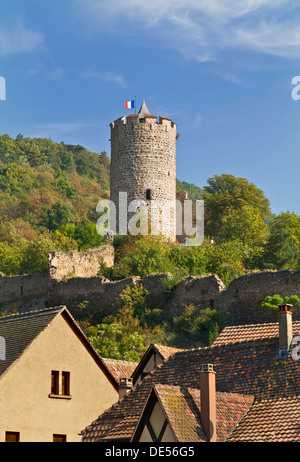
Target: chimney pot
{"x":125,"y":385}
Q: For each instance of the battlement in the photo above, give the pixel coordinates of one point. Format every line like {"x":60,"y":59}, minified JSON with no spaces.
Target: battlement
{"x":146,"y":119}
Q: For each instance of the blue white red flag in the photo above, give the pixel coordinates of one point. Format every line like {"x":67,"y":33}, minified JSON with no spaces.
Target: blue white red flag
{"x":129,"y":104}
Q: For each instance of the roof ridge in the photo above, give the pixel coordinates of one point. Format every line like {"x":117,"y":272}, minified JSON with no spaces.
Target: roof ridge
{"x":120,"y":360}
{"x":13,"y":316}
{"x":251,"y":325}
{"x":255,"y":325}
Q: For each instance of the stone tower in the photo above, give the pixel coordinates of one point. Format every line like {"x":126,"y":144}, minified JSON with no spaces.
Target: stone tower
{"x":143,"y":165}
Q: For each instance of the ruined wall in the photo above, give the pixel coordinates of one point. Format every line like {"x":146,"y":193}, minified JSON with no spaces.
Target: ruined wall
{"x":24,"y":293}
{"x":244,"y":295}
{"x":241,"y":300}
{"x":79,"y":264}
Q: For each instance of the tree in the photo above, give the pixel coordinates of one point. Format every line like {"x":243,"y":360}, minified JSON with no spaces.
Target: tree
{"x":245,"y":224}
{"x":85,"y":234}
{"x":226,"y":194}
{"x":58,"y":216}
{"x":270,"y":303}
{"x":119,"y":336}
{"x":280,"y":251}
{"x":226,"y":260}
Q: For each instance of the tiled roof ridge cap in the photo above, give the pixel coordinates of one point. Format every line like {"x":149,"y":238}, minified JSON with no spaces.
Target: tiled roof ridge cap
{"x":246,"y":326}
{"x":218,"y":345}
{"x":120,"y":360}
{"x":13,"y":316}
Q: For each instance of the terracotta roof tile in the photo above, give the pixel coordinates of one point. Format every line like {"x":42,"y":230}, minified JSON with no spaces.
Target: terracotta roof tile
{"x":246,"y":333}
{"x":182,"y":408}
{"x":119,"y":368}
{"x":270,"y":421}
{"x":166,"y":351}
{"x":250,"y":368}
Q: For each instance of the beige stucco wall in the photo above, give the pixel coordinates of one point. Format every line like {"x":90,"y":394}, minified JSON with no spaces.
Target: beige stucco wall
{"x":25,"y":405}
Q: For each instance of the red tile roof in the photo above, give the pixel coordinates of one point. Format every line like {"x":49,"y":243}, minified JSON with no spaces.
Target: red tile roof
{"x":246,"y":333}
{"x":182,"y":407}
{"x":246,"y":364}
{"x":270,"y":420}
{"x":166,"y":351}
{"x":119,"y":368}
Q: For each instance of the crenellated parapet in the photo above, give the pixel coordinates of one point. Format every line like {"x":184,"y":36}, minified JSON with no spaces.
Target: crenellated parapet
{"x":147,"y":119}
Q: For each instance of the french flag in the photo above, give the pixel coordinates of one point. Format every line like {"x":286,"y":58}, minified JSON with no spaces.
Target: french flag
{"x":129,"y":104}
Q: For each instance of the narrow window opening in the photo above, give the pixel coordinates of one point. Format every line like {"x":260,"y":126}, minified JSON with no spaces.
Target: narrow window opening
{"x":54,"y":382}
{"x":65,"y":383}
{"x":148,"y":194}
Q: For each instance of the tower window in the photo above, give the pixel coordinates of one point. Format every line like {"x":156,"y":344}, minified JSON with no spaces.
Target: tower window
{"x":148,"y":194}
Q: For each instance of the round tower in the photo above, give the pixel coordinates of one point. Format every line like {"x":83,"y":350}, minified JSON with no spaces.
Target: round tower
{"x":143,"y":165}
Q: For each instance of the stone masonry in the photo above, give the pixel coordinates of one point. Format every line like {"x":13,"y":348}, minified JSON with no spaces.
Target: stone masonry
{"x":79,"y":264}
{"x":241,"y":300}
{"x":143,"y":164}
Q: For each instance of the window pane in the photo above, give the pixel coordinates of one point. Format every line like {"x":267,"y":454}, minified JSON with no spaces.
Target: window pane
{"x":66,"y":383}
{"x":12,"y":437}
{"x":55,"y":382}
{"x":59,"y":438}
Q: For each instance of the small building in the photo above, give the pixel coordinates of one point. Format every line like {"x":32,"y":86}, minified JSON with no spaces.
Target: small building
{"x":154,"y":356}
{"x":52,"y":381}
{"x":243,"y":388}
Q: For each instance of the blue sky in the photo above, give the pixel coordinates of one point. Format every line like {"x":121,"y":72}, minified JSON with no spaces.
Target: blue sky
{"x":222,"y":70}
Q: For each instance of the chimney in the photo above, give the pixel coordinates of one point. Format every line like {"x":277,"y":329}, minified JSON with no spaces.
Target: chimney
{"x":125,"y":386}
{"x":285,"y":329}
{"x":208,"y":401}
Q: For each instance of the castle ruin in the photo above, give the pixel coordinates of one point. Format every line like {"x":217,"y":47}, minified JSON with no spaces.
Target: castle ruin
{"x":143,"y":165}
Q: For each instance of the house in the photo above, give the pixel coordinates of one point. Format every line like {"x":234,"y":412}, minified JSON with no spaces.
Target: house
{"x":52,"y":381}
{"x":243,"y":388}
{"x":154,"y":356}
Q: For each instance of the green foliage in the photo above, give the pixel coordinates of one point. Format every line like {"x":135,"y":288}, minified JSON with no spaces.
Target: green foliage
{"x":84,"y":233}
{"x":142,"y":255}
{"x":58,"y":216}
{"x":270,"y":303}
{"x":135,"y":298}
{"x":44,"y":187}
{"x":225,"y":195}
{"x":194,"y":192}
{"x":280,"y":251}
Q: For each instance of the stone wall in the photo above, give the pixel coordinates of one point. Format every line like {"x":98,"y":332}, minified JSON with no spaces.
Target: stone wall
{"x":79,"y":264}
{"x":24,"y":293}
{"x":241,"y":300}
{"x":143,"y":158}
{"x":244,"y":295}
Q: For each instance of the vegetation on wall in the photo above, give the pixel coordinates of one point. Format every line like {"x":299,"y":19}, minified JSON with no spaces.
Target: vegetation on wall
{"x":48,"y":197}
{"x":136,"y":322}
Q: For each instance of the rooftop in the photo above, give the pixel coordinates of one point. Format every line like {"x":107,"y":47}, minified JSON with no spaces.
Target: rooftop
{"x":249,"y":374}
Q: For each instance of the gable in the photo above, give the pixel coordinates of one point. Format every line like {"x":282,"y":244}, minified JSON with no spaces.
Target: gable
{"x":19,"y":331}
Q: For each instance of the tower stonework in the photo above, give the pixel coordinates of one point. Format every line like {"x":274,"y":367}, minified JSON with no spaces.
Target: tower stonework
{"x":143,"y":163}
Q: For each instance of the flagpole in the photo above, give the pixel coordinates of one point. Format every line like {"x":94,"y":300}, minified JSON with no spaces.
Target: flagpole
{"x":135,"y":104}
